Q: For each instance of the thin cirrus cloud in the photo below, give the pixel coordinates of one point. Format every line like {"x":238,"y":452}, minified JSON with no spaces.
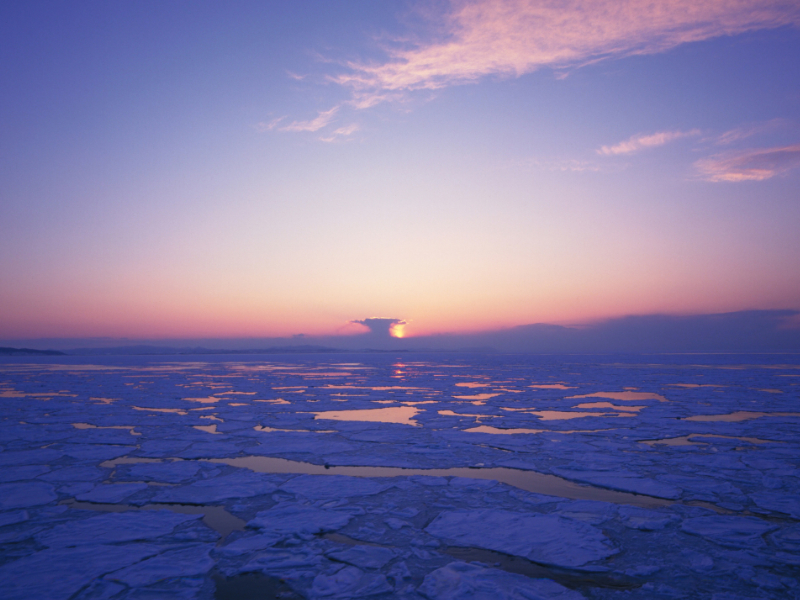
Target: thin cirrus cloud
{"x":749,"y":165}
{"x":641,"y":142}
{"x":322,"y":120}
{"x":265,"y":126}
{"x":341,"y":133}
{"x":740,"y":133}
{"x":513,"y":37}
{"x":568,"y":165}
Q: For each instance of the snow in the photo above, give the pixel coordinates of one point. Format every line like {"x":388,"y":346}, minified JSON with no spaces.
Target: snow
{"x":114,"y":527}
{"x":11,"y":518}
{"x":549,"y":539}
{"x":22,"y":473}
{"x":778,"y":502}
{"x":293,"y":518}
{"x":624,"y":481}
{"x":57,"y":574}
{"x":171,"y":472}
{"x":463,"y":581}
{"x":366,"y":557}
{"x":236,"y":485}
{"x":646,"y":520}
{"x":322,"y":487}
{"x":579,"y":510}
{"x":283,"y":561}
{"x":744,"y":532}
{"x":349,"y":582}
{"x":181,"y":562}
{"x":111,"y":493}
{"x":23,"y":495}
{"x":246,"y":545}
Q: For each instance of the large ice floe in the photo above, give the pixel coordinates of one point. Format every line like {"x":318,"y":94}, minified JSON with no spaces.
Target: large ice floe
{"x":417,"y":476}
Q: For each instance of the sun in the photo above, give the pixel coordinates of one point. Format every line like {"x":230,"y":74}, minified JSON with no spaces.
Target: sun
{"x":396,"y":330}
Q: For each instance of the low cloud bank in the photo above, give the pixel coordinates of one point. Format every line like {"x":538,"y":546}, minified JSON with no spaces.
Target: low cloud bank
{"x":745,"y":331}
{"x":737,"y":332}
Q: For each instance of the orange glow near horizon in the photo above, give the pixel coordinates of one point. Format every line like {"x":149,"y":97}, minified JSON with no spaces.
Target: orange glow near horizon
{"x":459,"y":183}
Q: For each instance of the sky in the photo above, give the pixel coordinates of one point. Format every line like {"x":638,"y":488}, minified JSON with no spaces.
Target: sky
{"x":268,"y":169}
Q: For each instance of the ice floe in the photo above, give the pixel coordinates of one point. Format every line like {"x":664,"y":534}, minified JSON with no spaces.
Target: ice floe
{"x":293,"y":518}
{"x":370,"y":479}
{"x":463,"y":581}
{"x":23,"y":495}
{"x":549,"y":539}
{"x":113,"y":528}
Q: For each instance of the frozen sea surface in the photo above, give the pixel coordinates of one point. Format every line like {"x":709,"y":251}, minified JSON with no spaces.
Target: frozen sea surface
{"x":419,"y":476}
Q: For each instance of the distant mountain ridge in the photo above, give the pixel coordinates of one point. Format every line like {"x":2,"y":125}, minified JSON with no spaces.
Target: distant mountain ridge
{"x":29,"y":352}
{"x":162,"y":350}
{"x":143,"y":350}
{"x":744,"y":332}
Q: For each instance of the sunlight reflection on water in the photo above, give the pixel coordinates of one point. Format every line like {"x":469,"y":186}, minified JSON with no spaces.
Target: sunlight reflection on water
{"x":399,"y":414}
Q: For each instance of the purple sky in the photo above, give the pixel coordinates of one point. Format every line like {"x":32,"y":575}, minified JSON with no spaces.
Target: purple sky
{"x":202,"y":170}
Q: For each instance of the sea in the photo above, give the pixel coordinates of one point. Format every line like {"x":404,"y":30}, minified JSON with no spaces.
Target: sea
{"x":405,"y":475}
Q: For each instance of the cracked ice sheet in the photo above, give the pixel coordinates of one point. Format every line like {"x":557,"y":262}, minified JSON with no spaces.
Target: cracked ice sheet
{"x":111,"y":493}
{"x":249,"y":544}
{"x":349,"y":582}
{"x":289,"y":563}
{"x":181,"y":562}
{"x":327,"y":487}
{"x":366,"y":557}
{"x":24,"y":495}
{"x":114,"y":527}
{"x":737,"y":532}
{"x":22,"y":473}
{"x":626,"y":481}
{"x":40,"y":456}
{"x":94,"y":453}
{"x":58,"y":573}
{"x":243,"y":484}
{"x":548,"y":539}
{"x":289,"y":518}
{"x":462,"y":581}
{"x":172,"y":472}
{"x":305,"y":443}
{"x":778,"y":502}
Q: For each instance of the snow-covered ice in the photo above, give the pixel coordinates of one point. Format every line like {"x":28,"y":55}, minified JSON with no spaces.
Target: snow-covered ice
{"x":417,"y":476}
{"x":458,"y":581}
{"x":548,"y":539}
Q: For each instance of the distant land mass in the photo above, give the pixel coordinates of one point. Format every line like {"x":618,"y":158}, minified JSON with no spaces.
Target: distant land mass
{"x":28,"y":352}
{"x":165,"y":350}
{"x":741,"y":332}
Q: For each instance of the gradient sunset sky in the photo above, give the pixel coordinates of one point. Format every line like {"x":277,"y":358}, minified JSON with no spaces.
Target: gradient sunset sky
{"x":202,"y":169}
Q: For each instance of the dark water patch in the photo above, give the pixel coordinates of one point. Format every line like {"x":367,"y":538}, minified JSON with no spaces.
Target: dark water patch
{"x":340,"y":538}
{"x":689,"y":440}
{"x":215,"y":517}
{"x":573,"y":579}
{"x":531,"y":481}
{"x":252,"y":586}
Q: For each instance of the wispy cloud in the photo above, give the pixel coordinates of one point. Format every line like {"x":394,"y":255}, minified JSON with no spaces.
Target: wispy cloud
{"x":513,"y":37}
{"x":341,"y":132}
{"x":322,"y":119}
{"x":746,"y":131}
{"x":641,"y":142}
{"x":265,"y":126}
{"x":750,"y":165}
{"x":569,"y":165}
